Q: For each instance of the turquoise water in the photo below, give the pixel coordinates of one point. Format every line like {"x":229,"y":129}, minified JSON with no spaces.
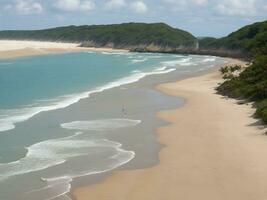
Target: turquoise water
{"x":50,"y":131}
{"x":34,"y":84}
{"x":26,"y":81}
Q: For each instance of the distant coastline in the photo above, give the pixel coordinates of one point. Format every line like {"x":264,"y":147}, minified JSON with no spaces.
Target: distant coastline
{"x":244,"y":43}
{"x":20,"y":48}
{"x":205,"y":52}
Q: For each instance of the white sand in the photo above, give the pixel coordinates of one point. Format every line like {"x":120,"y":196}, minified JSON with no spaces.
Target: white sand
{"x":8,"y":45}
{"x":15,"y":48}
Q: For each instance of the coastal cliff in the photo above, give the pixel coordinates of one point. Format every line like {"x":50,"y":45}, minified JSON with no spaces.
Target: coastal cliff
{"x":244,"y":43}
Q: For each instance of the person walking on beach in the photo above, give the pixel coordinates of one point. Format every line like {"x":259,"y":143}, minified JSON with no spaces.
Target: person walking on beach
{"x":124,"y":112}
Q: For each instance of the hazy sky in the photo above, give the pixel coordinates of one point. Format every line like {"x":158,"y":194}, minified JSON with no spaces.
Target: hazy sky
{"x":200,"y":17}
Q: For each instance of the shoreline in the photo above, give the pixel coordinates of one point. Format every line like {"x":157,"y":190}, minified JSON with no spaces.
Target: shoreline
{"x":108,"y":103}
{"x":202,"y":158}
{"x":154,"y":175}
{"x":10,"y":49}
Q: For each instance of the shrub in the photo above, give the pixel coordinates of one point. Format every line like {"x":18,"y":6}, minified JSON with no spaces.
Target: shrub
{"x":251,"y":85}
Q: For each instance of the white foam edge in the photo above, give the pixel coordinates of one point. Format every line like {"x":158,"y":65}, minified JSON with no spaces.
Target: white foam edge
{"x":139,"y":60}
{"x":54,"y":181}
{"x":101,"y":125}
{"x":173,"y":63}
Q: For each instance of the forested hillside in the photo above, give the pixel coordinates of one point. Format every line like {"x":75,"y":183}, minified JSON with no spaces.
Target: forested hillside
{"x":141,"y":36}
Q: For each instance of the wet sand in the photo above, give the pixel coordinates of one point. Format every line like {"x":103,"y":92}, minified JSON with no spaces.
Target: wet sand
{"x":213,"y":150}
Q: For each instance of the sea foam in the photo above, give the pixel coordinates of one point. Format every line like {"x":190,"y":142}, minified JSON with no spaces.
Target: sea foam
{"x":122,"y":157}
{"x":210,"y":59}
{"x":139,"y":60}
{"x":100,"y":125}
{"x":60,"y":186}
{"x":182,"y":62}
{"x":54,"y":152}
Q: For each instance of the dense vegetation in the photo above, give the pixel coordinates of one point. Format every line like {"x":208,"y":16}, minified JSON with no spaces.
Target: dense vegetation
{"x":252,"y":82}
{"x":249,"y":41}
{"x":128,"y":35}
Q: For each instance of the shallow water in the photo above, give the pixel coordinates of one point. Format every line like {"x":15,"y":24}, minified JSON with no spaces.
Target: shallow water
{"x":113,"y":123}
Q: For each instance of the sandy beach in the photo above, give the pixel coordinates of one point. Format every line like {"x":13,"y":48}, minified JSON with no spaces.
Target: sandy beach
{"x":213,"y":151}
{"x":14,"y":48}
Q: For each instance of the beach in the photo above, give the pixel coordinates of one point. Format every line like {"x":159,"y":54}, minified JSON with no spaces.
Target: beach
{"x":213,"y":149}
{"x":15,"y":48}
{"x":77,"y":116}
{"x":179,"y":140}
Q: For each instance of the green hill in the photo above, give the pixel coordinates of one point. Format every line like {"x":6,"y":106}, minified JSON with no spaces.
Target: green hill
{"x":141,"y":36}
{"x":248,"y":41}
{"x":252,"y":82}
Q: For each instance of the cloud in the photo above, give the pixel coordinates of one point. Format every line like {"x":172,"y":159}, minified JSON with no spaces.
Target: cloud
{"x":25,"y":7}
{"x":139,"y":7}
{"x":237,"y":7}
{"x":136,"y":6}
{"x":74,"y":5}
{"x":200,"y":2}
{"x":87,"y":5}
{"x":176,"y":3}
{"x":186,"y":2}
{"x":115,"y":4}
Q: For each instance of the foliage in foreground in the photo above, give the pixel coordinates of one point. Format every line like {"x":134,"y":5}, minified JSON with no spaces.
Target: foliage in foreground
{"x":251,"y":85}
{"x":230,"y":72}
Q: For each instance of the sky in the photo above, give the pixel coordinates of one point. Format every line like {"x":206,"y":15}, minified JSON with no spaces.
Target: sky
{"x":215,"y":18}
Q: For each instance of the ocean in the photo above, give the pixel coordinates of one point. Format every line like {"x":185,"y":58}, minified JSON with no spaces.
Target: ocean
{"x":66,"y":118}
